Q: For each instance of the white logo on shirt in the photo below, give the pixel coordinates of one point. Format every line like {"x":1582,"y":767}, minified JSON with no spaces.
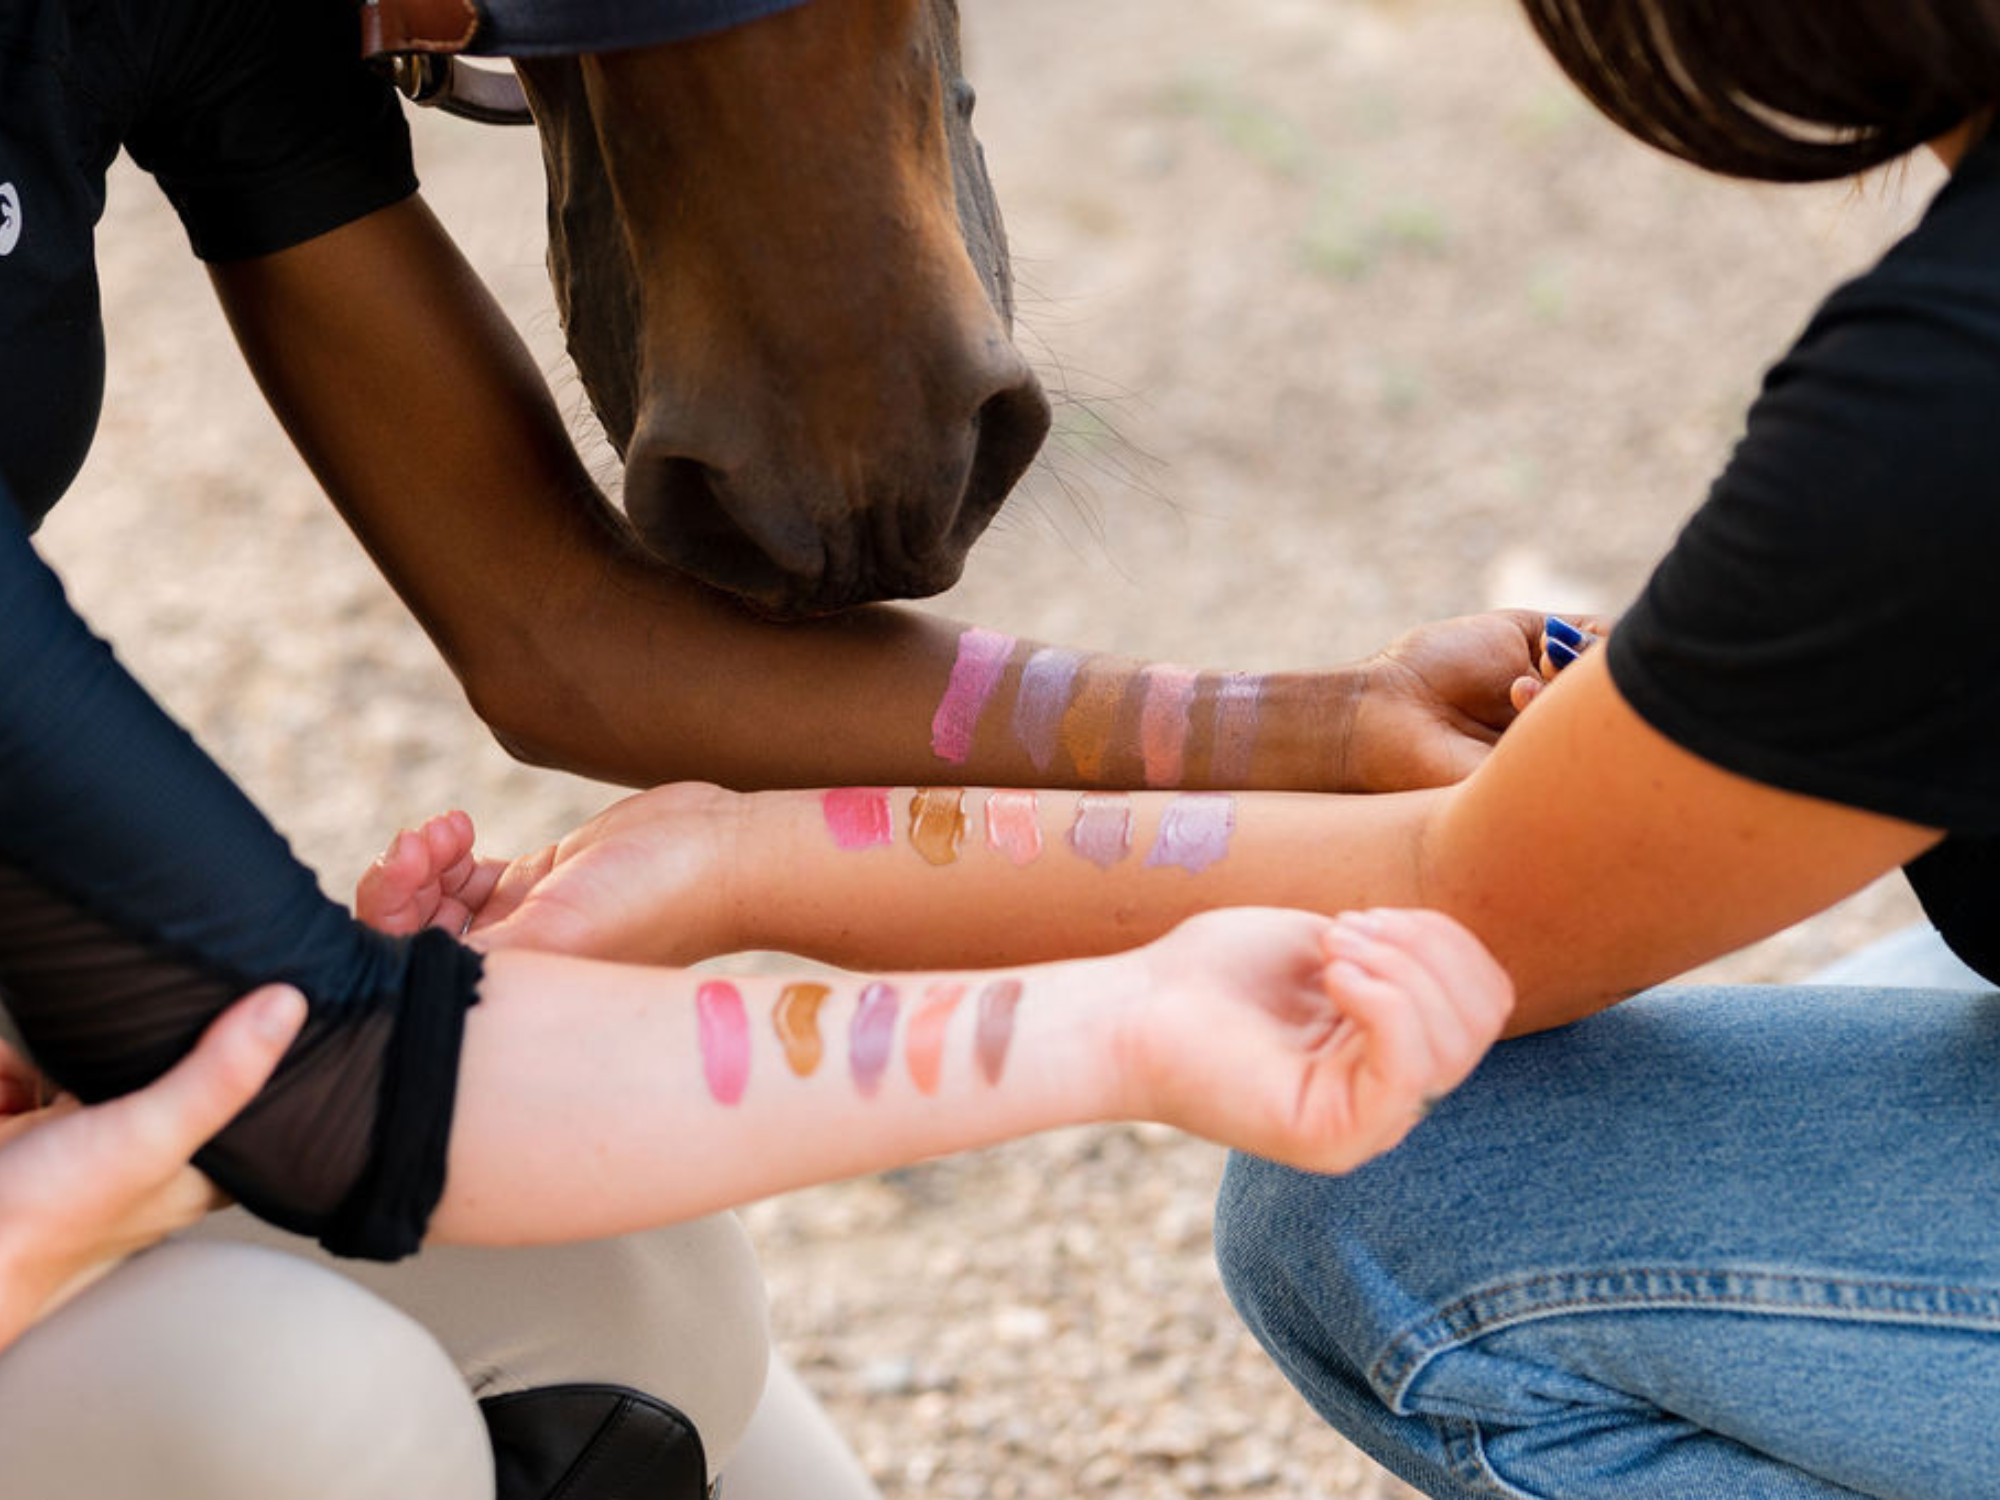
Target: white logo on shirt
{"x":10,"y":218}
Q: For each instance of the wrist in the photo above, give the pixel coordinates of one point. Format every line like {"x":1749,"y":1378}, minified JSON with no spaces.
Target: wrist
{"x":1305,"y":744}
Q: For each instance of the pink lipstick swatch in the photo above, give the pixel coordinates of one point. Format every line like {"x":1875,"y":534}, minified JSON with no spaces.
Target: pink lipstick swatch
{"x":1238,"y":699}
{"x":1041,"y":701}
{"x":982,"y":657}
{"x":996,"y":1026}
{"x":1102,"y":832}
{"x":1012,"y":827}
{"x":857,"y":816}
{"x":871,"y":1036}
{"x":1194,"y":832}
{"x":725,"y":1040}
{"x":1163,"y":723}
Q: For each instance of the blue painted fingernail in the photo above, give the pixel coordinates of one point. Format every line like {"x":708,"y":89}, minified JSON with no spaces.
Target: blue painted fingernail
{"x":1561,"y":655}
{"x":1561,"y":630}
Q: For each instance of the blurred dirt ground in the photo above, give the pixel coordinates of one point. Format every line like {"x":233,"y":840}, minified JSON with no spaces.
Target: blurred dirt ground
{"x":1360,"y":319}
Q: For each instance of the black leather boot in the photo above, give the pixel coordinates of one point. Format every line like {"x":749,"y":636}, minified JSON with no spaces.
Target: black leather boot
{"x":592,"y":1442}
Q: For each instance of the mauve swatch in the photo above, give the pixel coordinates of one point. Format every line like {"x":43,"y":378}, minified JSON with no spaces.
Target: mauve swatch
{"x":1238,"y":700}
{"x":871,"y":1036}
{"x":1102,"y":832}
{"x":996,"y":1026}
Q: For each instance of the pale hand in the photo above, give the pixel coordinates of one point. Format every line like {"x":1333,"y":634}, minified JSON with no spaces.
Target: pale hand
{"x":638,"y":883}
{"x":1315,"y":1043}
{"x":82,"y":1188}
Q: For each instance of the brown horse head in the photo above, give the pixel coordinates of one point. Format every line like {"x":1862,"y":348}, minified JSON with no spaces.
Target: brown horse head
{"x":784,"y":281}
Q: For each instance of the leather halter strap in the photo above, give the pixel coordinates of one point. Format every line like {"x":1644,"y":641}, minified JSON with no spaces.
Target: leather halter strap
{"x":418,"y":42}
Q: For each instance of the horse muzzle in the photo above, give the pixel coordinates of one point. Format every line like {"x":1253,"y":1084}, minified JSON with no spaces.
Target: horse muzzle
{"x":792,"y":541}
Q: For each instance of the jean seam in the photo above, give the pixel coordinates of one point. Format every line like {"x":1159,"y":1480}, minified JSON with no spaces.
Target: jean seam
{"x":1523,"y":1300}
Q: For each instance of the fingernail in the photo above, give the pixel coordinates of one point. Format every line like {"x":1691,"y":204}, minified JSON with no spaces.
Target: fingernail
{"x":1367,"y":922}
{"x":1561,"y":655}
{"x":280,"y":1015}
{"x":1559,"y":629}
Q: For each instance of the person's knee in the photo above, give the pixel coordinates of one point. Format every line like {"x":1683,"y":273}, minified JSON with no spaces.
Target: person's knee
{"x":223,"y":1371}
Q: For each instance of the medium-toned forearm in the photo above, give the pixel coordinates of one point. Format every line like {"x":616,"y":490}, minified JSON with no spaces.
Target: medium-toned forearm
{"x":596,"y":1098}
{"x":878,"y":876}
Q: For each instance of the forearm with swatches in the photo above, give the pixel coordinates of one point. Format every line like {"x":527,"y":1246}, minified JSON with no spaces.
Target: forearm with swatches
{"x":598,"y":1098}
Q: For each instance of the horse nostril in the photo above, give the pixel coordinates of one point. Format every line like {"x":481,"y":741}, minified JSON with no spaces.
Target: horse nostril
{"x":679,"y":508}
{"x":1011,"y":427}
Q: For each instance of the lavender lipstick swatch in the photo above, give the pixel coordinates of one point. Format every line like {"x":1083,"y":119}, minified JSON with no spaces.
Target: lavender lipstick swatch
{"x":871,"y":1036}
{"x":996,"y":1026}
{"x":1041,"y":701}
{"x":1102,"y":832}
{"x":1194,"y":832}
{"x":725,"y":1040}
{"x":982,"y":657}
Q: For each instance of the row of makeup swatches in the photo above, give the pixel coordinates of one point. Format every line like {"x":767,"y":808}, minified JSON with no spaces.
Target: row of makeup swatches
{"x":1194,"y":830}
{"x":871,"y":1033}
{"x":1064,"y":703}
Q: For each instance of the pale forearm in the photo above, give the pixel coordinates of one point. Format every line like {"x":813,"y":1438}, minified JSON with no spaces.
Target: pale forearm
{"x":599,"y":1098}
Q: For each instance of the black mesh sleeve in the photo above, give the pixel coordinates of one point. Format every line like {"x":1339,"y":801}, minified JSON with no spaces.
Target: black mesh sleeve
{"x":141,"y":893}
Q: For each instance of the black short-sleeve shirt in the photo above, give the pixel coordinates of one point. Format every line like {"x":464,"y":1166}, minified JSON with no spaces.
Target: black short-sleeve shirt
{"x":1828,"y":621}
{"x":258,"y":120}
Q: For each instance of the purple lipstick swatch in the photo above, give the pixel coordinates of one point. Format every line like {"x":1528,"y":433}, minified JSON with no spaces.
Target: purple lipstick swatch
{"x":857,"y":816}
{"x":871,"y":1037}
{"x":1238,"y":700}
{"x":982,"y":657}
{"x":1102,"y":832}
{"x":1042,"y":701}
{"x":996,"y":1026}
{"x":725,"y":1040}
{"x":1163,"y":723}
{"x":1194,"y":832}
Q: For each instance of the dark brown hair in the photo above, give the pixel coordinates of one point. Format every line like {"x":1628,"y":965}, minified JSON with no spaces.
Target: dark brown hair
{"x":1782,"y":90}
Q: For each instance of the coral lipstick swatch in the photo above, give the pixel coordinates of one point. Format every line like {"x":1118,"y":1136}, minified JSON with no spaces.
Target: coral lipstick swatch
{"x":923,"y":1049}
{"x":1013,"y":826}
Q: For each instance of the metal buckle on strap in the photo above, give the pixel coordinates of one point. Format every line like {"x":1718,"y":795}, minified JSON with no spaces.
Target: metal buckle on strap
{"x":416,"y":42}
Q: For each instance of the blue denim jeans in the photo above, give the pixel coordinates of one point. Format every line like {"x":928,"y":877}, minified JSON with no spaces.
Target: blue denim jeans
{"x":1712,"y":1244}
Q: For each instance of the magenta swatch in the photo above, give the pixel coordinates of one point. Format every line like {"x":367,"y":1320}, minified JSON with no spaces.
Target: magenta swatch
{"x":1194,"y":831}
{"x":1238,"y":700}
{"x":857,"y":816}
{"x":1042,"y":700}
{"x":725,"y":1040}
{"x":982,"y":657}
{"x":1102,"y":832}
{"x":871,"y":1036}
